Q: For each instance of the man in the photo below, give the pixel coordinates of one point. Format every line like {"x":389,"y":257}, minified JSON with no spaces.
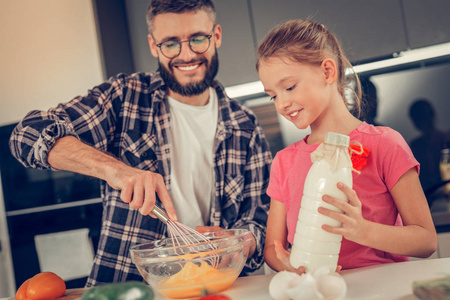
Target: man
{"x":171,"y":137}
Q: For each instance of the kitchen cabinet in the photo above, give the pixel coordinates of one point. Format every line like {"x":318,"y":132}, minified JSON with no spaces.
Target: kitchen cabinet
{"x":113,"y":38}
{"x":143,"y":60}
{"x":366,"y":30}
{"x":7,"y":285}
{"x":38,"y":202}
{"x":237,"y":57}
{"x":427,"y":22}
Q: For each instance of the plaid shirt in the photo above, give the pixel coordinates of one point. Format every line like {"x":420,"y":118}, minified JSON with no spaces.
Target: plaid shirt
{"x":128,"y":117}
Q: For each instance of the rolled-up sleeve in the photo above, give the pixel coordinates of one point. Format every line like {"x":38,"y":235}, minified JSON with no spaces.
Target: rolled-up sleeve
{"x":88,"y":118}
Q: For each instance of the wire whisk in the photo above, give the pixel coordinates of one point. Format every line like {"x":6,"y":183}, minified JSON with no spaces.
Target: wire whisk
{"x":180,"y":235}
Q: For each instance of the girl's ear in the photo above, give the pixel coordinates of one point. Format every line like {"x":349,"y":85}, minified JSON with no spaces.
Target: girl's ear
{"x":329,"y":70}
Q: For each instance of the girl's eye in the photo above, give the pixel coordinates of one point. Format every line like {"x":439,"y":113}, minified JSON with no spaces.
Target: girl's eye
{"x":272,"y":98}
{"x":291,"y":88}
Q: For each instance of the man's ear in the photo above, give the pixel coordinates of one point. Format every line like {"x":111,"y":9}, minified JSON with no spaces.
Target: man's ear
{"x":152,"y":44}
{"x":329,"y":70}
{"x":218,"y":35}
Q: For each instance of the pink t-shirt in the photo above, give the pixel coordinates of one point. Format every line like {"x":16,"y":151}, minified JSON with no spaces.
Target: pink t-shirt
{"x":390,"y":157}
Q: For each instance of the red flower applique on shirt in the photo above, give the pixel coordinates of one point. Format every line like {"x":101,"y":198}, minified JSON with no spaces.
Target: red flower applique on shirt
{"x":359,"y":156}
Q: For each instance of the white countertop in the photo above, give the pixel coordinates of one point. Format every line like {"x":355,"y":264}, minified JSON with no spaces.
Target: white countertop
{"x":386,"y":282}
{"x":381,"y":282}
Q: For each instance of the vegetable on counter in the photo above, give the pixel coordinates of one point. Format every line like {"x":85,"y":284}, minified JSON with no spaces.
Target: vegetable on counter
{"x":215,"y":297}
{"x":434,"y":289}
{"x":205,"y":295}
{"x":42,"y":286}
{"x":131,"y":290}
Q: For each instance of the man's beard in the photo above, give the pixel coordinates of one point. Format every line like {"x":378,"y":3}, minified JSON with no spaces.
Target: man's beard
{"x":193,"y":88}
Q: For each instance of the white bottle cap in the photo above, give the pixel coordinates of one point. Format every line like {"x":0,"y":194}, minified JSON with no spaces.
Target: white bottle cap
{"x":337,"y":139}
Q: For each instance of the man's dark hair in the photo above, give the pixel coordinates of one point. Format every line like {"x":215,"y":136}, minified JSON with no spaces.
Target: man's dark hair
{"x":157,"y":7}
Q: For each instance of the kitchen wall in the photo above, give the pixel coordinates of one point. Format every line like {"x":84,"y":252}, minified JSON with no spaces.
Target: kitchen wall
{"x":49,"y":54}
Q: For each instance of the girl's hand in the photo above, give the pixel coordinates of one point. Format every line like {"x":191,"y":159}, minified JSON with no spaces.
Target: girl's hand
{"x":283,"y":255}
{"x":354,"y":226}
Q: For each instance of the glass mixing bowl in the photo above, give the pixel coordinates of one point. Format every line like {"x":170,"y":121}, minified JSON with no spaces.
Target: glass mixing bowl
{"x":188,"y":270}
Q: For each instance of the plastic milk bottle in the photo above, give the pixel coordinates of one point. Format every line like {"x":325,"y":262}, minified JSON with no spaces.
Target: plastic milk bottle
{"x":313,"y":247}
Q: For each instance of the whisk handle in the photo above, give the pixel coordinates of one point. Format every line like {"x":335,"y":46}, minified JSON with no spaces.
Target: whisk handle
{"x":160,"y":214}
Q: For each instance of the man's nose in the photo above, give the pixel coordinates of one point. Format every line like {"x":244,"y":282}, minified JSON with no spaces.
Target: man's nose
{"x":186,"y":52}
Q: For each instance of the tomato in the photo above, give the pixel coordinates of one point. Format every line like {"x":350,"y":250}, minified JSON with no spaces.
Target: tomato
{"x":215,"y":297}
{"x":21,"y":293}
{"x":43,"y":286}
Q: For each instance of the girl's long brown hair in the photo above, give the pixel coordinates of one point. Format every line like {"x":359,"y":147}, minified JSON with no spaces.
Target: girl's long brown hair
{"x":309,"y":42}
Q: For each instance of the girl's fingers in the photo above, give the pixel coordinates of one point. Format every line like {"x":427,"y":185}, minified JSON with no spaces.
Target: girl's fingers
{"x":335,"y":202}
{"x":338,"y":216}
{"x":350,"y":193}
{"x":335,"y":230}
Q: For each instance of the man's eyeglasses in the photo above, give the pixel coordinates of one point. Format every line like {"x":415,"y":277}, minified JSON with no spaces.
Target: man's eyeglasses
{"x":199,"y":44}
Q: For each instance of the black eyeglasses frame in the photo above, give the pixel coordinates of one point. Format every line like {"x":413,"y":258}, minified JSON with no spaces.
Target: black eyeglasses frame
{"x":209,"y":36}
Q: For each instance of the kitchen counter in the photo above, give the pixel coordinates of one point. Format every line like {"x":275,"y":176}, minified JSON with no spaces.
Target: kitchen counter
{"x":387,"y":282}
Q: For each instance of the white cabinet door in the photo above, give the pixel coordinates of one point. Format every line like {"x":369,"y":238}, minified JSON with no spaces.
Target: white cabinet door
{"x":7,"y":283}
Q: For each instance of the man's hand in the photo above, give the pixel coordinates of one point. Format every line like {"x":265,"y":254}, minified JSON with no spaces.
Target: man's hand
{"x":203,"y":229}
{"x":138,"y":187}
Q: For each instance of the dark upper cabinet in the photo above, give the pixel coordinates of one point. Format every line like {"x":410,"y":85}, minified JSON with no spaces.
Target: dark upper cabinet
{"x":427,"y":22}
{"x":367,"y":30}
{"x":237,"y":53}
{"x":112,"y":33}
{"x":138,"y":32}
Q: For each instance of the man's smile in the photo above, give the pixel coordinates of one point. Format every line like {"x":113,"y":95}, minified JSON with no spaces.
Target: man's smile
{"x":187,"y":67}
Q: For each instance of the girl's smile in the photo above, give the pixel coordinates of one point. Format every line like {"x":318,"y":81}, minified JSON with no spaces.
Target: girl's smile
{"x":293,"y":115}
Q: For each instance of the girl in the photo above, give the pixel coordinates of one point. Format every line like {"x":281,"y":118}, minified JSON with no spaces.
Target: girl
{"x":386,"y":219}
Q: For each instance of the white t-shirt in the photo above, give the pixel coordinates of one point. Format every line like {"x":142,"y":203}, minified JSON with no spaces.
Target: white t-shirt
{"x":192,"y":166}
